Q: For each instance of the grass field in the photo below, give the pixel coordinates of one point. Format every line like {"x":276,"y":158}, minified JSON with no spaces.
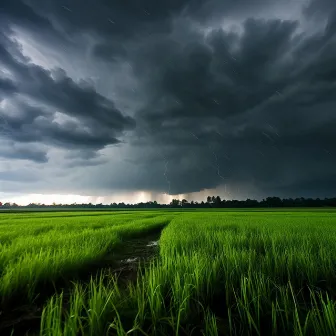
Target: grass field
{"x":216,"y":273}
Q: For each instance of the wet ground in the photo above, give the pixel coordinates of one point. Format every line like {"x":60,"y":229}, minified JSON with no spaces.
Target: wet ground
{"x":123,"y":263}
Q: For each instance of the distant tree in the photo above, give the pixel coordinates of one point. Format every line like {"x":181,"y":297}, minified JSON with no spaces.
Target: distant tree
{"x":184,"y":202}
{"x":211,"y":202}
{"x":175,"y":203}
{"x":218,"y":201}
{"x":273,"y":202}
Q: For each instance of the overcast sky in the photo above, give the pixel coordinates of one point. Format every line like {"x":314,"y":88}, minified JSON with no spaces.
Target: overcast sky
{"x":136,"y":100}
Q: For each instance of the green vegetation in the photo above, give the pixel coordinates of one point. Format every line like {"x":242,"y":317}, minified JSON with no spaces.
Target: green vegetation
{"x":39,"y":248}
{"x":217,"y":273}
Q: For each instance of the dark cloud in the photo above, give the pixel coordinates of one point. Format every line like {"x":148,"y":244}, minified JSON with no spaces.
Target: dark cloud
{"x":208,"y":79}
{"x":17,"y":176}
{"x":317,"y":187}
{"x":319,"y":8}
{"x":267,"y":91}
{"x":127,"y":19}
{"x":110,"y":52}
{"x":86,"y":118}
{"x":104,"y":17}
{"x":7,"y":88}
{"x":252,"y":106}
{"x":31,"y":153}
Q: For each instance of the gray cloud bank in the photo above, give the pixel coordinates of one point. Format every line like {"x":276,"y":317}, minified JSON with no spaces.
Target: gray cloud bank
{"x":172,"y":97}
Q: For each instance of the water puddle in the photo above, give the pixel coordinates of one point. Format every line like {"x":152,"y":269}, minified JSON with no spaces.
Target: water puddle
{"x":129,"y":260}
{"x":153,"y":243}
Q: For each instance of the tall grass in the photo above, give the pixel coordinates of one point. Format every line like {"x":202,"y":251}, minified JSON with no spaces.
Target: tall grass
{"x":218,"y":274}
{"x":39,"y":250}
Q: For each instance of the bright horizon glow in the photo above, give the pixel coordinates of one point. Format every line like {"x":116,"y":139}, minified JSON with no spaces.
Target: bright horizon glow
{"x":126,"y":197}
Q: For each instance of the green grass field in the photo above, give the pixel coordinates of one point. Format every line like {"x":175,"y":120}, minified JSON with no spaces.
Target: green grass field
{"x":216,"y":272}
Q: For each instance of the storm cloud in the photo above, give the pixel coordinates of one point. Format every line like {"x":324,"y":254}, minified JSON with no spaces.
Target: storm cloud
{"x":50,"y":107}
{"x":175,"y":97}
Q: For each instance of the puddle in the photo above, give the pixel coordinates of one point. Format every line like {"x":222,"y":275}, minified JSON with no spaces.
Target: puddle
{"x":129,"y":260}
{"x":153,"y":243}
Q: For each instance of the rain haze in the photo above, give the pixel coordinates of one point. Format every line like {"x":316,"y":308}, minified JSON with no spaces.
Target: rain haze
{"x":107,"y":101}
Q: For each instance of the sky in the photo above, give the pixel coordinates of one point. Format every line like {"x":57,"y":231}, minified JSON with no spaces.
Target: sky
{"x":109,"y":101}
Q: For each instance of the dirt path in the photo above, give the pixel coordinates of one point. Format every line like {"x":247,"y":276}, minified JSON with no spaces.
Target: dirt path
{"x":123,"y":262}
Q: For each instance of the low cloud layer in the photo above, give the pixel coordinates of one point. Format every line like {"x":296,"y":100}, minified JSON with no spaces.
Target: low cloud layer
{"x":172,"y":98}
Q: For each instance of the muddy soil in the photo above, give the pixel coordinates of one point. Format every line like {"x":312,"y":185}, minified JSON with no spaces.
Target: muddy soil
{"x":125,"y":260}
{"x":123,"y":263}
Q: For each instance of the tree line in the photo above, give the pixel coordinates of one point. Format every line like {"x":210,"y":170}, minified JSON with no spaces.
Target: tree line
{"x":211,"y":202}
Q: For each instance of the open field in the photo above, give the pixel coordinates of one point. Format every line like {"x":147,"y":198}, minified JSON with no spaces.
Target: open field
{"x":215,"y":273}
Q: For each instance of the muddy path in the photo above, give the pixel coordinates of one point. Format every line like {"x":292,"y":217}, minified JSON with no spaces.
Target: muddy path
{"x":123,"y":263}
